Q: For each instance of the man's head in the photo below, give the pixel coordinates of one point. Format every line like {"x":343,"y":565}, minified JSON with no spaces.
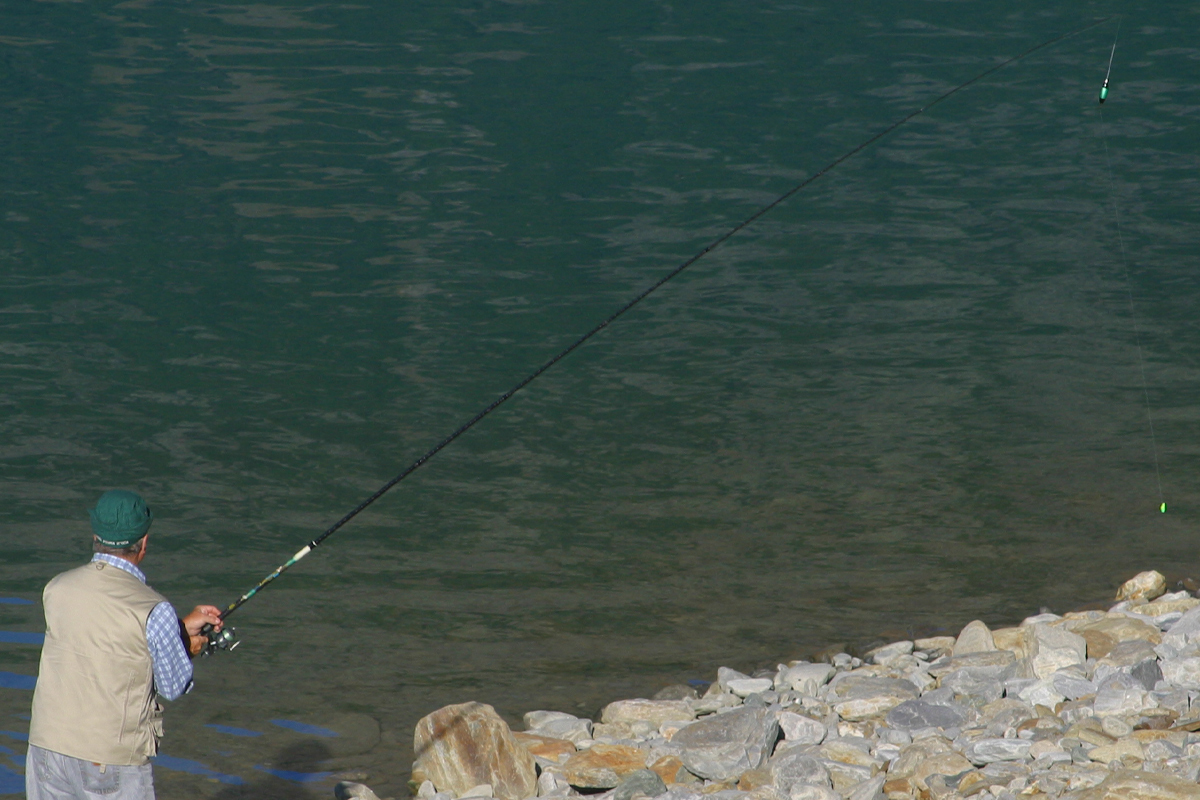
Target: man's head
{"x":120,"y":521}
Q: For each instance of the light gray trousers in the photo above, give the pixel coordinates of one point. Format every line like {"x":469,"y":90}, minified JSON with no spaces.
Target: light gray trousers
{"x":53,"y":776}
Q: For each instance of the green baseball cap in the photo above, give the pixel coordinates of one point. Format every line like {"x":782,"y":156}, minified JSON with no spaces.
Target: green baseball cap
{"x":120,"y":518}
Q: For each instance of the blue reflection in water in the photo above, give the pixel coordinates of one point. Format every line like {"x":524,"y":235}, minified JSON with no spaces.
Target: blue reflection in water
{"x":194,"y":768}
{"x":301,"y":727}
{"x":15,"y":680}
{"x":295,"y":777}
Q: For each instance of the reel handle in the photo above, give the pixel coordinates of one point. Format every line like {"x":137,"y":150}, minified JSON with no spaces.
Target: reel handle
{"x":226,"y":639}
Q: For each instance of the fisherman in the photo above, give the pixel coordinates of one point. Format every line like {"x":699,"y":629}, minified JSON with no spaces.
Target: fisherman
{"x":112,"y":645}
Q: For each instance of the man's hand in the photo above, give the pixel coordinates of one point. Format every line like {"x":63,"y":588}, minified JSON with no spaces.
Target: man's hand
{"x":195,"y":621}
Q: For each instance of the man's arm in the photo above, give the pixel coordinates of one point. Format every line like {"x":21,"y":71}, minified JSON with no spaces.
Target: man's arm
{"x":172,"y":667}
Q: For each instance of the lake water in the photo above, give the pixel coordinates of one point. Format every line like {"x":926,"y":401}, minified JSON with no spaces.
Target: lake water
{"x":256,"y":258}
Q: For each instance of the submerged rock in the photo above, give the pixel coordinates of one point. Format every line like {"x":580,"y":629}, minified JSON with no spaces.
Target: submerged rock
{"x":459,"y":747}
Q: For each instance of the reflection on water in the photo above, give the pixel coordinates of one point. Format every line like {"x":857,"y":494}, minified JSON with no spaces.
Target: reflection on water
{"x":257,"y":258}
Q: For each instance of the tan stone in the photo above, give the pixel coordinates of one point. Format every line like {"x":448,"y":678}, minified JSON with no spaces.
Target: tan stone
{"x":602,"y":766}
{"x":898,"y":788}
{"x":545,"y":746}
{"x":1122,"y":748}
{"x":653,"y":711}
{"x":940,"y":764}
{"x":839,"y":750}
{"x":913,"y":754}
{"x":1135,"y":785}
{"x":754,"y":778}
{"x":1123,"y":629}
{"x":671,"y":770}
{"x":1143,"y":586}
{"x":867,"y":707}
{"x":1099,"y":644}
{"x":459,"y":747}
{"x":935,"y":644}
{"x":976,"y":637}
{"x":973,"y":780}
{"x":1177,"y":738}
{"x":719,"y":786}
{"x":1010,"y":639}
{"x":1159,"y":607}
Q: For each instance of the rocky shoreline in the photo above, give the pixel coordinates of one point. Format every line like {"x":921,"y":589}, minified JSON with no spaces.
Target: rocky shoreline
{"x":1091,"y":705}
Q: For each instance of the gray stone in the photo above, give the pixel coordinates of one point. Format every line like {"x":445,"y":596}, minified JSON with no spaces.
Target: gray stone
{"x":985,"y":751}
{"x":724,"y":746}
{"x":1072,"y":685}
{"x":793,"y":767}
{"x":644,"y":781}
{"x":997,"y":664}
{"x":1148,"y":674}
{"x":964,"y":684}
{"x":1121,"y":694}
{"x":1185,"y":631}
{"x":915,"y":714}
{"x":800,"y":729}
{"x":677,"y":691}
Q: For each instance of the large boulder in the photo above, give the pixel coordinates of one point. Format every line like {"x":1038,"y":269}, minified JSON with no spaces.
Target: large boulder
{"x":459,"y":747}
{"x":1143,"y":586}
{"x":723,"y":746}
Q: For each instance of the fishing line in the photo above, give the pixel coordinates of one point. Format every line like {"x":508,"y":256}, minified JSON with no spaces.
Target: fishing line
{"x":1137,"y":333}
{"x":224,"y":640}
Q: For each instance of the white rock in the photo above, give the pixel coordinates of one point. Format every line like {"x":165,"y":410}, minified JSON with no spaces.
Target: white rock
{"x":807,"y":679}
{"x":1040,"y":619}
{"x":1041,"y":693}
{"x":868,"y":790}
{"x":1122,"y":695}
{"x":1051,"y":649}
{"x":482,"y":790}
{"x":976,"y":637}
{"x":1183,"y":673}
{"x":986,"y":751}
{"x":889,"y":652}
{"x":726,"y":674}
{"x":800,"y":729}
{"x":744,"y":687}
{"x":426,"y":791}
{"x":552,"y":784}
{"x":803,"y":791}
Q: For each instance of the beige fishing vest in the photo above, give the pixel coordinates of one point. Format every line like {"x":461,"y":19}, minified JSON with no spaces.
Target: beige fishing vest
{"x":94,"y":698}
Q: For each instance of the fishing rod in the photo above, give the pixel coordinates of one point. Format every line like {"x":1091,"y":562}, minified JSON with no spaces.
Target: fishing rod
{"x":226,"y":639}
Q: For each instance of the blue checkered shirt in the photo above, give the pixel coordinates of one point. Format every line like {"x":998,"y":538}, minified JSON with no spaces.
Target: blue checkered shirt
{"x":172,"y":667}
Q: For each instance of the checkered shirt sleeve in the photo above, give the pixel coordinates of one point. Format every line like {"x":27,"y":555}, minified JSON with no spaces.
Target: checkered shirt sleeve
{"x":172,"y":667}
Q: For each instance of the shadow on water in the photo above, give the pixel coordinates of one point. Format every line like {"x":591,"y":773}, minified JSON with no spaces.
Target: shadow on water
{"x":287,"y":775}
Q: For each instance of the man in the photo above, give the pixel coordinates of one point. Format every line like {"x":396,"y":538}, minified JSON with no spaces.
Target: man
{"x":112,"y":645}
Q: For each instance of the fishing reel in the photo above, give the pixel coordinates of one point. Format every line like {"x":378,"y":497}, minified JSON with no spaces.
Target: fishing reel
{"x":225,"y":639}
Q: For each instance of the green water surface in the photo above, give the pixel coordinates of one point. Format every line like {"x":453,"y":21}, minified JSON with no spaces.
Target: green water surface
{"x":255,"y":258}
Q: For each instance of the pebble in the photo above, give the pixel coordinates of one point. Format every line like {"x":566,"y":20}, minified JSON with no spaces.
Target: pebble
{"x":1084,"y":706}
